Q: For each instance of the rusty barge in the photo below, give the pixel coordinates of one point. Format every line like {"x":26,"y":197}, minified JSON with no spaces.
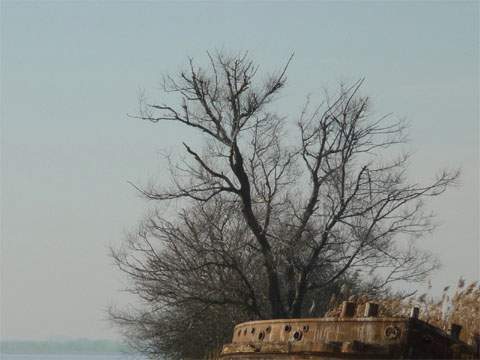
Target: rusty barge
{"x":347,"y":337}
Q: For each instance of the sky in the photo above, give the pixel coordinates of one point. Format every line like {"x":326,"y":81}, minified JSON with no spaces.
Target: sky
{"x":71,"y":72}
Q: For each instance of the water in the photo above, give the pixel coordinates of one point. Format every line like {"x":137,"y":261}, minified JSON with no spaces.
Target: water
{"x":70,"y":357}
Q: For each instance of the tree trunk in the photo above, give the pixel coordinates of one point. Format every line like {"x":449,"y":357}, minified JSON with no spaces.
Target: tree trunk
{"x":300,"y":296}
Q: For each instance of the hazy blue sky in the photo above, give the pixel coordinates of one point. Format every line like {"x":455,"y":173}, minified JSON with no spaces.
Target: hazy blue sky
{"x":71,"y":71}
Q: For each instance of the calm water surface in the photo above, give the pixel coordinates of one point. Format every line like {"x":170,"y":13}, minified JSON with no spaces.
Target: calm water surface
{"x":70,"y":357}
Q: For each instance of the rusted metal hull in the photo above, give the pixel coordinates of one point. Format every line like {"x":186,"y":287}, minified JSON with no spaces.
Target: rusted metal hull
{"x":343,"y":338}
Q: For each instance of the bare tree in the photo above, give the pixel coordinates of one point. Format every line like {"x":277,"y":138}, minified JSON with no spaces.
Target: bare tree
{"x":302,"y":204}
{"x":197,"y":277}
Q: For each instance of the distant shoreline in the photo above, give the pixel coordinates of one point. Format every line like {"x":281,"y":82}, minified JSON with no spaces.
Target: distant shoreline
{"x":79,"y":346}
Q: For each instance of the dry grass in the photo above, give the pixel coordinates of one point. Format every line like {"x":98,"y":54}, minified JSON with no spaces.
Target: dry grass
{"x":458,"y":306}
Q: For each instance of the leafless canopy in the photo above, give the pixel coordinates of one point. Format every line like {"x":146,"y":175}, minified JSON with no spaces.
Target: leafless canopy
{"x":292,"y":206}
